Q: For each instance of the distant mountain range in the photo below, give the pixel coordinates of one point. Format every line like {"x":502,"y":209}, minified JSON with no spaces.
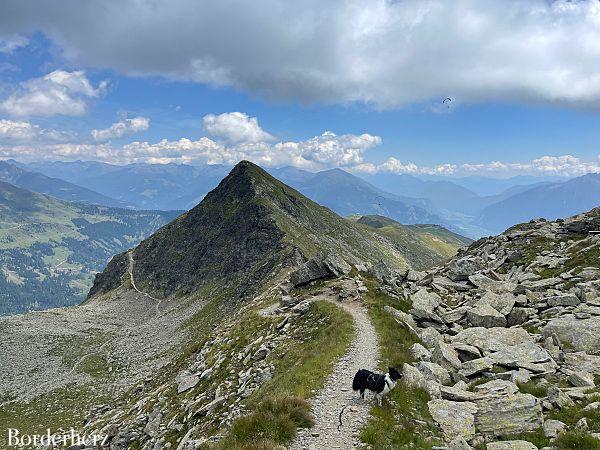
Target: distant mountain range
{"x":56,"y":187}
{"x":549,"y":200}
{"x":50,"y":249}
{"x":471,"y":206}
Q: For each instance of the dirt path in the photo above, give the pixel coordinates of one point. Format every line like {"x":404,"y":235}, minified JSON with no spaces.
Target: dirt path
{"x":337,"y":395}
{"x":130,"y":270}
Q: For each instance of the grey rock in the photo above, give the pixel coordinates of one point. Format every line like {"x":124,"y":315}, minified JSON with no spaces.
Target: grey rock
{"x":558,"y":398}
{"x":563,"y":300}
{"x":582,"y":379}
{"x":459,"y":395}
{"x":485,"y":316}
{"x":313,"y":269}
{"x":582,"y":335}
{"x":466,"y":352}
{"x":186,"y":381}
{"x":302,"y":307}
{"x":419,"y":353}
{"x":542,"y":285}
{"x":582,"y":424}
{"x":454,"y":418}
{"x":261,"y":353}
{"x":460,"y":269}
{"x":475,"y":366}
{"x":448,"y":284}
{"x":497,"y":388}
{"x":520,"y":355}
{"x":520,"y":376}
{"x":430,"y":336}
{"x":434,"y":372}
{"x":458,"y":443}
{"x":336,"y":265}
{"x":414,"y":275}
{"x":511,"y":445}
{"x":503,"y":303}
{"x":508,"y":414}
{"x":405,"y":319}
{"x":582,"y":361}
{"x":444,"y":355}
{"x":519,"y":316}
{"x":424,"y":304}
{"x":456,"y":314}
{"x":492,"y":339}
{"x":553,"y":427}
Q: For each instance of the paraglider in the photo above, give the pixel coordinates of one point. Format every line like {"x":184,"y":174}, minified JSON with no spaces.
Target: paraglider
{"x":447,"y":101}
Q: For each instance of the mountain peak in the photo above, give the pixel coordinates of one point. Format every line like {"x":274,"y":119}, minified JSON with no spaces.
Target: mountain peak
{"x":244,"y":232}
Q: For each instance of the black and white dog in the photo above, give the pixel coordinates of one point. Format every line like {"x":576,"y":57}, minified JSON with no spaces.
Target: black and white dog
{"x":378,"y":383}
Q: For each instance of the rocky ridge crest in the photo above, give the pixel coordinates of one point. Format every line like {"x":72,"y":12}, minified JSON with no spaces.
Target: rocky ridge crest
{"x":509,"y":330}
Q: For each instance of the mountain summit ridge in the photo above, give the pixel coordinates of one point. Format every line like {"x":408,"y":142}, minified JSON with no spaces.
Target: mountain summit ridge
{"x":244,"y":232}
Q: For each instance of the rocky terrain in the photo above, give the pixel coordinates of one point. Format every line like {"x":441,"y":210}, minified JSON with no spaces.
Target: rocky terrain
{"x":509,"y":337}
{"x":239,"y":326}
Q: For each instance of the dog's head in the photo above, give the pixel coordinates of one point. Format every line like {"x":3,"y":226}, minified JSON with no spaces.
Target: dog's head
{"x":394,"y":374}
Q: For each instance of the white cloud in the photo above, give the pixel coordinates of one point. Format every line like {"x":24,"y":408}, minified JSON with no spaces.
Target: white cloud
{"x":235,"y":128}
{"x":59,"y":92}
{"x":9,"y":44}
{"x":121,"y":128}
{"x":566,"y":165}
{"x":22,"y":131}
{"x":389,"y":53}
{"x":329,"y":149}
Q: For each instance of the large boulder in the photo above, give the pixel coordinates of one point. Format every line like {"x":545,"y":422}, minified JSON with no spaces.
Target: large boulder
{"x":424,"y":304}
{"x":454,"y":418}
{"x":508,"y":415}
{"x":475,"y":366}
{"x":336,"y":265}
{"x":581,"y":334}
{"x":492,"y":339}
{"x":444,"y":355}
{"x":332,"y":266}
{"x":486,"y":316}
{"x":520,"y":355}
{"x":460,"y":269}
{"x":582,"y":361}
{"x":503,"y":303}
{"x":311,"y":270}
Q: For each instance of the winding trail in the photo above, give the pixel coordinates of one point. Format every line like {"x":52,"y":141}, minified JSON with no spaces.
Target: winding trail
{"x":337,"y":399}
{"x":130,"y":270}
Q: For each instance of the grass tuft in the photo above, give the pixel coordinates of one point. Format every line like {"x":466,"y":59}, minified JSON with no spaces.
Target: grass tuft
{"x":274,"y":422}
{"x":576,"y":440}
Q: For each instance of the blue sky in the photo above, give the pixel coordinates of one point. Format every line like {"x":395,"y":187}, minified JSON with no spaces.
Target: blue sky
{"x":58,"y":83}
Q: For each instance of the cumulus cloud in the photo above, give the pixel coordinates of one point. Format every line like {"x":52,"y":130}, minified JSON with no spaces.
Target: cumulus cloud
{"x":59,"y":92}
{"x":384,"y":52}
{"x":22,"y":131}
{"x":566,"y":165}
{"x":235,"y":127}
{"x":122,"y":128}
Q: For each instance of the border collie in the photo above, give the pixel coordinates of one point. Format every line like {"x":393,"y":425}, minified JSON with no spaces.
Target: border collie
{"x":378,"y":383}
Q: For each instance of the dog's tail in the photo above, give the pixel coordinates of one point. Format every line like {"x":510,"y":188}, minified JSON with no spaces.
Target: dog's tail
{"x":360,"y":380}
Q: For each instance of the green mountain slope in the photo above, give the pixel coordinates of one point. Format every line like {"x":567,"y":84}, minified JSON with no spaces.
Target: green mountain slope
{"x":244,"y":232}
{"x":50,"y":249}
{"x":423,"y":245}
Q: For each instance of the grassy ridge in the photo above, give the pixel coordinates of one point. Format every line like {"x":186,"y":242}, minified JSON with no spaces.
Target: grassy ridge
{"x":279,"y":407}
